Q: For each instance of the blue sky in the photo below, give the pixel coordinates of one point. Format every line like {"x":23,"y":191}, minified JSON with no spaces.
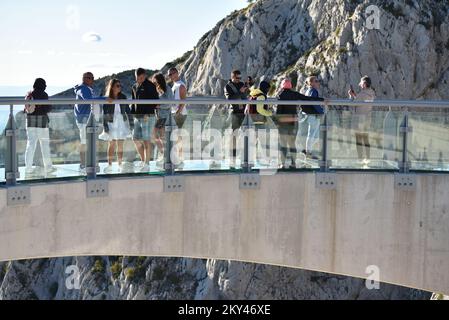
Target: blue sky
{"x":58,"y":40}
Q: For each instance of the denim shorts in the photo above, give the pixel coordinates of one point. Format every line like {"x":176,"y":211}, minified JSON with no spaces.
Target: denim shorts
{"x":143,"y":128}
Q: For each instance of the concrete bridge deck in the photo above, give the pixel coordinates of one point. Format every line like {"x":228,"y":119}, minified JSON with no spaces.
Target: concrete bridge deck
{"x":288,"y":222}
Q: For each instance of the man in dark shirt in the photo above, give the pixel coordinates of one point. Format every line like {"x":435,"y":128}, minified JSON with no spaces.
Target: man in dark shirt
{"x":144,"y":117}
{"x":236,"y":90}
{"x":287,"y":120}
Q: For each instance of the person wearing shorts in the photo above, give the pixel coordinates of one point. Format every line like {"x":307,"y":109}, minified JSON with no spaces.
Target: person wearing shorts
{"x":82,"y":112}
{"x":144,"y":117}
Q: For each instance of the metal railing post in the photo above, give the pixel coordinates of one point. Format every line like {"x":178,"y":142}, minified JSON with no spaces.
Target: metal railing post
{"x":405,"y":130}
{"x":324,"y":164}
{"x":11,"y":161}
{"x":170,"y":126}
{"x":246,"y":166}
{"x":91,"y":147}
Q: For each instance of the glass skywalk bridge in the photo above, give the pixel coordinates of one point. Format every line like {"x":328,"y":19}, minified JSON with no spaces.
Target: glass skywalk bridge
{"x":387,"y":136}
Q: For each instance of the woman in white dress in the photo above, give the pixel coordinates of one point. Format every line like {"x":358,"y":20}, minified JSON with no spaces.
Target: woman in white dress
{"x":117,"y":123}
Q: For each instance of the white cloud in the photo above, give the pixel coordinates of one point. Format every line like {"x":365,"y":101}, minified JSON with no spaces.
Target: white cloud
{"x":91,"y":37}
{"x":25,"y":52}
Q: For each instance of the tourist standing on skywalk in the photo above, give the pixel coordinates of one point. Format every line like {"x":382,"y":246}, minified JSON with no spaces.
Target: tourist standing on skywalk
{"x":287,"y":120}
{"x":144,"y":117}
{"x":37,"y":123}
{"x":163,"y":114}
{"x":313,"y":117}
{"x":235,"y":89}
{"x":117,"y":123}
{"x":362,"y":118}
{"x":82,"y":112}
{"x":179,"y":90}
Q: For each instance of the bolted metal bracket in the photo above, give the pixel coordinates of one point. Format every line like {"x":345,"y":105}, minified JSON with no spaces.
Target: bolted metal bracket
{"x":12,"y":175}
{"x":250,"y":181}
{"x":18,"y":196}
{"x":325,"y":164}
{"x":170,"y":128}
{"x":326,"y":180}
{"x":406,"y":129}
{"x":93,"y":129}
{"x":97,"y":188}
{"x":11,"y":133}
{"x":174,"y":184}
{"x":405,"y":182}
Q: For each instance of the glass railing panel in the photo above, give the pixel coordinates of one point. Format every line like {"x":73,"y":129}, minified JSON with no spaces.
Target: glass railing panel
{"x":4,"y":117}
{"x":300,"y":140}
{"x":429,"y":140}
{"x":203,"y":140}
{"x":365,"y":140}
{"x":49,"y":147}
{"x":130,"y":143}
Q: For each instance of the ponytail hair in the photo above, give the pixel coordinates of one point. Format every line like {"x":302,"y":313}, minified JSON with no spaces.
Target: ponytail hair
{"x":310,"y":80}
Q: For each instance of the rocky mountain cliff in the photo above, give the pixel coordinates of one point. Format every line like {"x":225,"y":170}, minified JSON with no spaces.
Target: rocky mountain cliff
{"x":160,"y":278}
{"x":407,"y":57}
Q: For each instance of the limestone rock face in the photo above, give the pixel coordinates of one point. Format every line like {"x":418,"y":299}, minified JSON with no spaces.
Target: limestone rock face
{"x":407,"y":57}
{"x":159,"y":278}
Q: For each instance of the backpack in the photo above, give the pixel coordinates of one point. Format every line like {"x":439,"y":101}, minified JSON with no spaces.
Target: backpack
{"x":29,"y":108}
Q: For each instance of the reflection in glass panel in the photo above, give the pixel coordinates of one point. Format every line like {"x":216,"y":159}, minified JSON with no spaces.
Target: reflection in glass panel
{"x":429,"y":140}
{"x":203,"y":140}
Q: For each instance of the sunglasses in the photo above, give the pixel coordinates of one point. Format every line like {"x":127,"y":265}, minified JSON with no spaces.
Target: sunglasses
{"x":118,"y":86}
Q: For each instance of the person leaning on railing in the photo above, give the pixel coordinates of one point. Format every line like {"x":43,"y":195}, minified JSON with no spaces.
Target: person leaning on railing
{"x":37,"y":123}
{"x":287,"y":120}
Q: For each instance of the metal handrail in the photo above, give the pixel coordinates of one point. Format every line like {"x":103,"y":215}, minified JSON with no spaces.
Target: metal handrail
{"x":443,"y":104}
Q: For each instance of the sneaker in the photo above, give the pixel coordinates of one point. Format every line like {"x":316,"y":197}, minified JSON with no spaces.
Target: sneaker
{"x":32,"y":171}
{"x":214,"y":165}
{"x":160,"y":158}
{"x":160,"y":164}
{"x":180,"y":166}
{"x":108,"y":170}
{"x":127,"y":168}
{"x":82,"y":168}
{"x":50,"y":169}
{"x":145,"y":168}
{"x":140,"y":164}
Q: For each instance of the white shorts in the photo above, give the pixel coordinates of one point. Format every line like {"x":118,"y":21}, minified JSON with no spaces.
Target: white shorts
{"x":83,"y":132}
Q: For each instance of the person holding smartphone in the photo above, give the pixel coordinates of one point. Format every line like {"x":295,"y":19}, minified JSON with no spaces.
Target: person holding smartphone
{"x":362,"y":118}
